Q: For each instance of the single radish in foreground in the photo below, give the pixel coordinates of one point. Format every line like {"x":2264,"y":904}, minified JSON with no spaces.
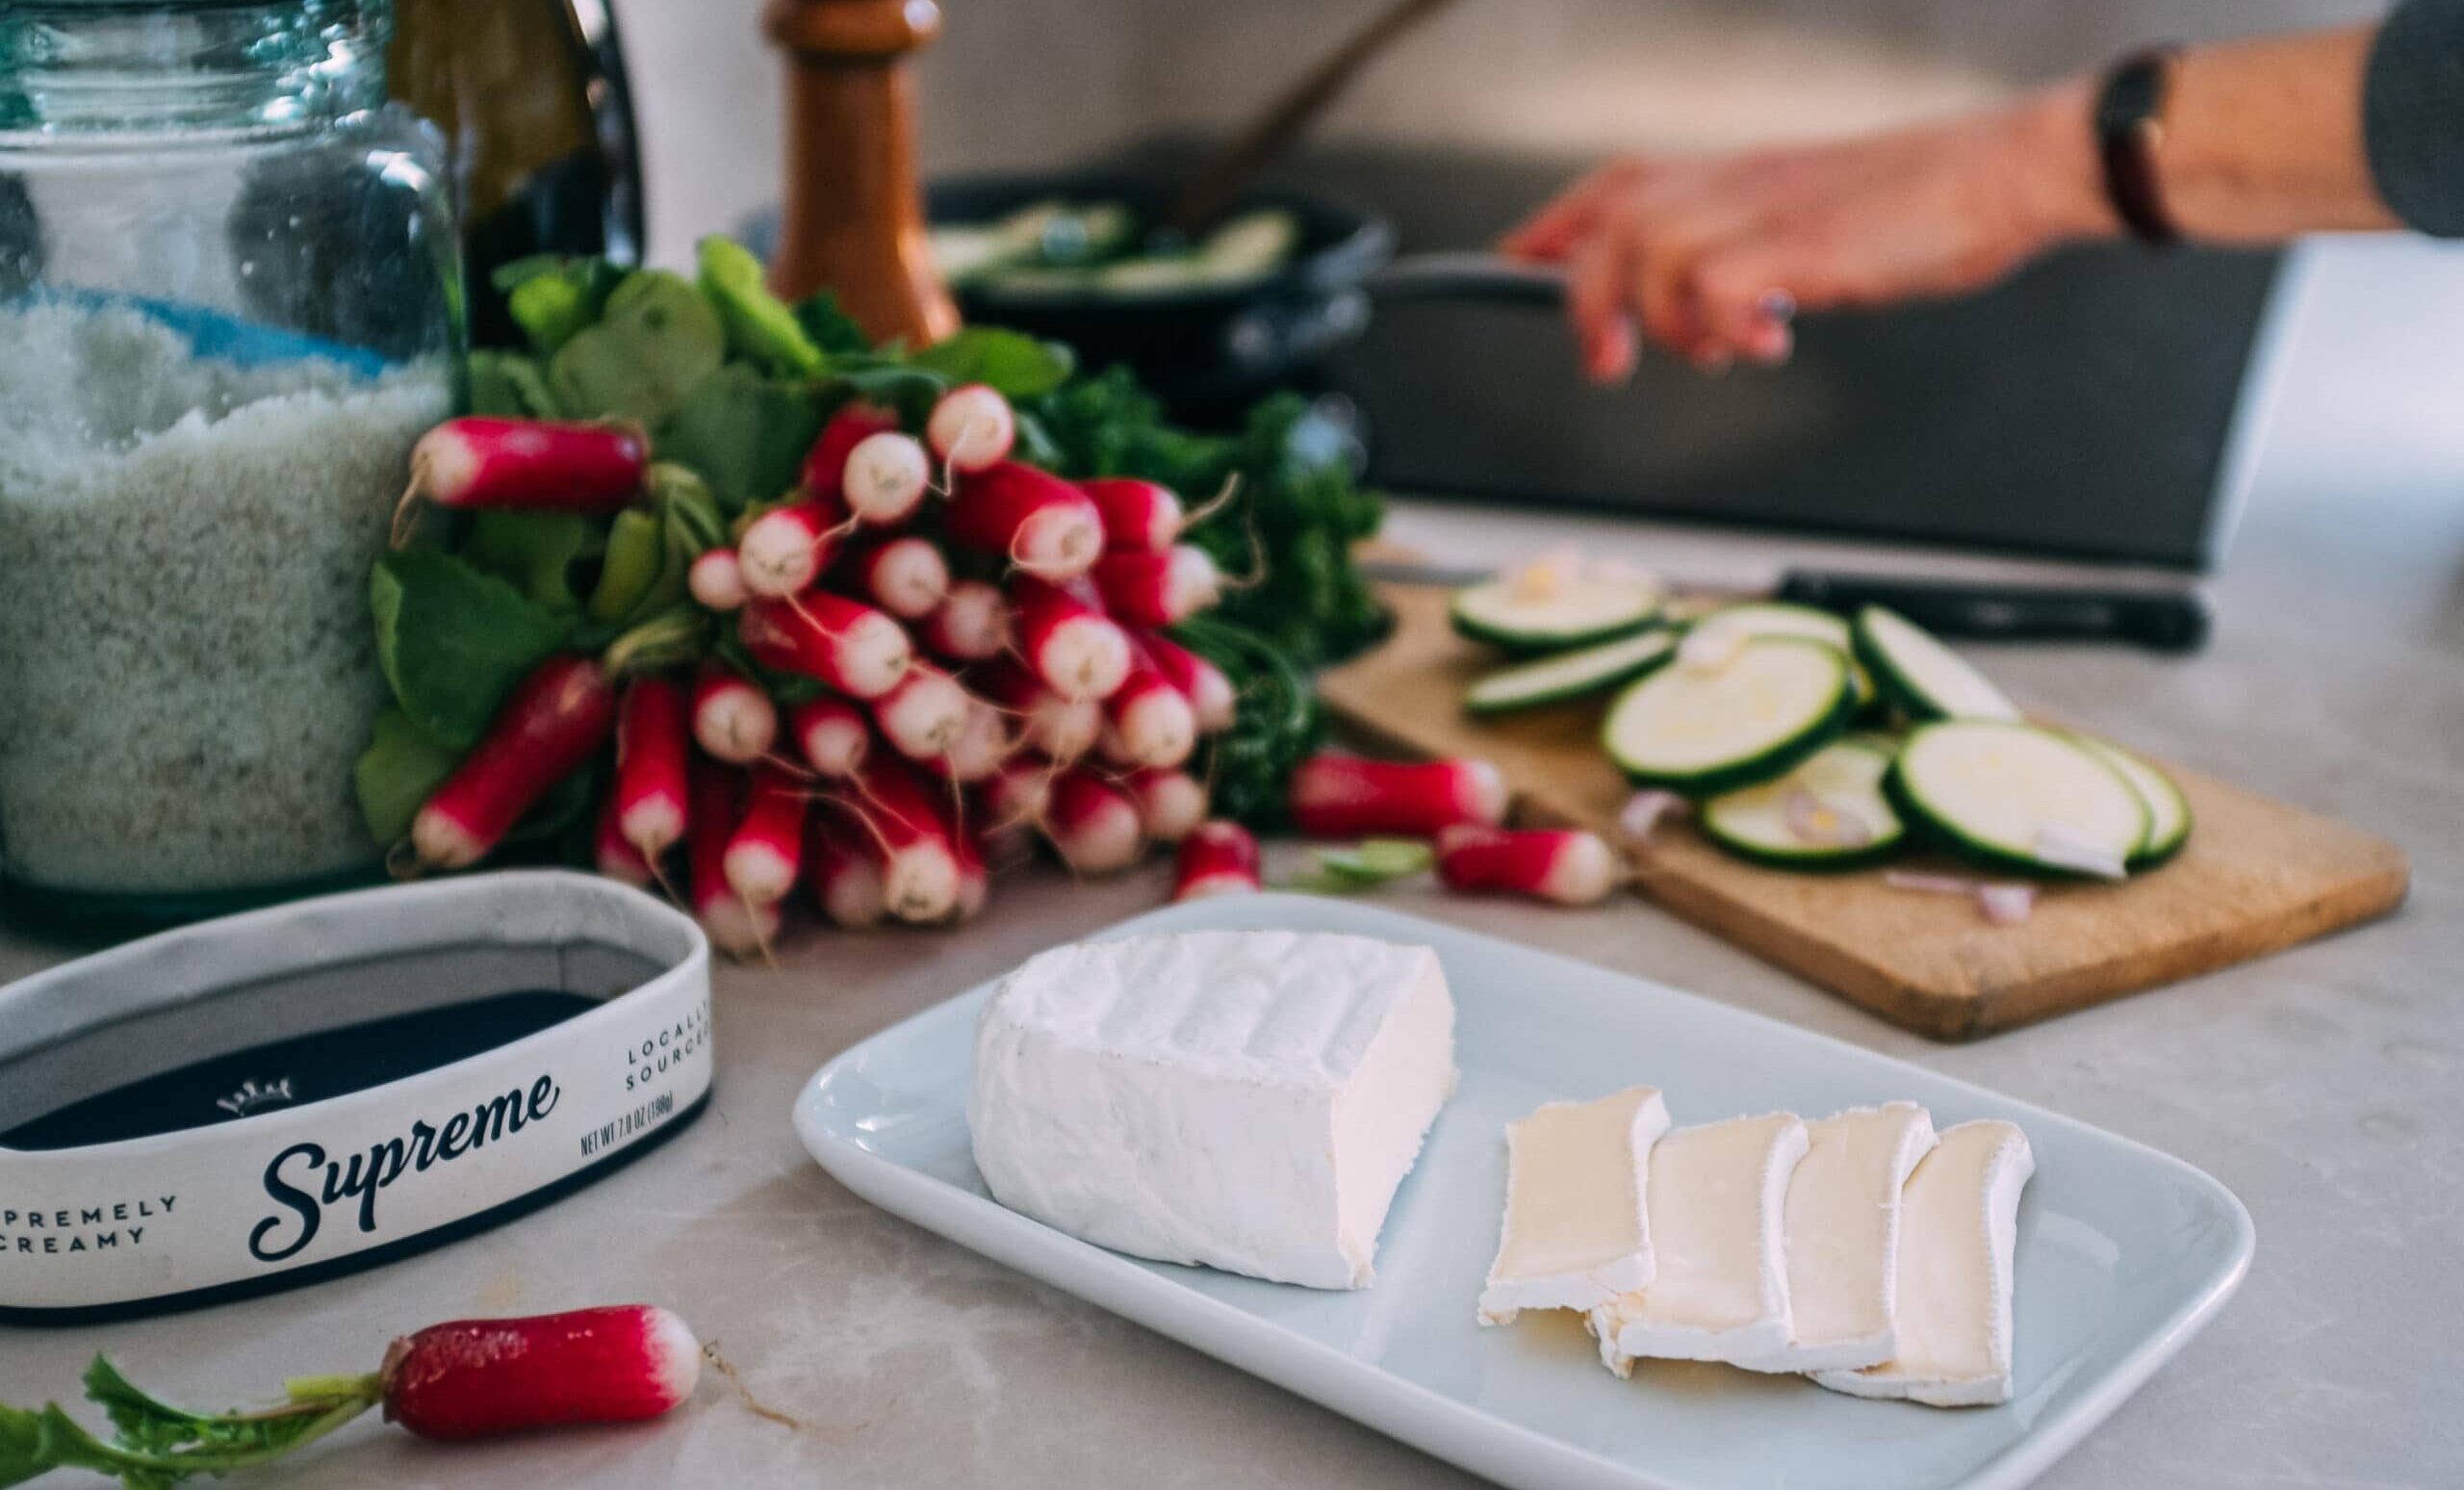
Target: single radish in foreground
{"x":904,"y":575}
{"x":614,"y":856}
{"x":1092,"y":824}
{"x":470,"y":1378}
{"x":734,"y":925}
{"x":1061,"y":728}
{"x":1207,"y":687}
{"x":1139,"y":517}
{"x":1147,"y":722}
{"x":832,"y":735}
{"x":850,"y":646}
{"x":1566,"y":866}
{"x":1077,"y":650}
{"x":971,"y":428}
{"x":478,"y":463}
{"x":1158,"y":589}
{"x":555,"y":720}
{"x":732,"y":719}
{"x":846,"y":874}
{"x":653,"y":736}
{"x":970,"y":625}
{"x":825,"y":469}
{"x":784,"y":549}
{"x":1217,"y":858}
{"x":900,"y":813}
{"x":716,"y":580}
{"x":765,"y":852}
{"x":1338,"y":796}
{"x":922,"y":714}
{"x":1041,"y":522}
{"x":886,"y":477}
{"x":1170,"y":803}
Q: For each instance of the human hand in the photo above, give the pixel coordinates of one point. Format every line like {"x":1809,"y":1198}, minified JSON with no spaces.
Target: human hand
{"x":1712,"y":256}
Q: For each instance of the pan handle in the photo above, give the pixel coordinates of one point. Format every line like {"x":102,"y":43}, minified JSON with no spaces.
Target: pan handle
{"x":1483,"y":277}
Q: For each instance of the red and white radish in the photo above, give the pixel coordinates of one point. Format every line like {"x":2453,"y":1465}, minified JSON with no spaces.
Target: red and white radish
{"x":614,"y":856}
{"x":784,"y":549}
{"x":886,"y":477}
{"x":832,"y":735}
{"x":479,"y":462}
{"x":1139,"y":517}
{"x":1158,"y":589}
{"x":1147,"y":722}
{"x":1062,"y":728}
{"x":825,"y":469}
{"x":555,"y":721}
{"x":1092,"y":824}
{"x":970,"y":625}
{"x":906,"y":576}
{"x":735,"y":926}
{"x":975,"y":879}
{"x":1014,"y":797}
{"x":1217,"y":858}
{"x":1567,"y":865}
{"x":1338,"y":796}
{"x":1170,"y":803}
{"x":1041,"y":522}
{"x":971,"y":428}
{"x":1079,"y":651}
{"x":900,"y":811}
{"x":478,"y":1379}
{"x":654,"y":733}
{"x":765,"y":852}
{"x":846,"y":644}
{"x":982,"y":743}
{"x":716,"y":580}
{"x":922,"y":714}
{"x":732,"y":719}
{"x":1206,"y":686}
{"x":846,"y":874}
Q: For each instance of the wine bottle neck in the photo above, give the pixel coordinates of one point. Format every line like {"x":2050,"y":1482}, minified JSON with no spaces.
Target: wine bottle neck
{"x":110,"y":68}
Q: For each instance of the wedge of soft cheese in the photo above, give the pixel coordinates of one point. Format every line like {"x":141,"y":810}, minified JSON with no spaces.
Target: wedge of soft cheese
{"x":1716,"y":1196}
{"x":1575,"y":1233}
{"x":1842,"y":1227}
{"x":1959,"y":1229}
{"x":1248,"y":1100}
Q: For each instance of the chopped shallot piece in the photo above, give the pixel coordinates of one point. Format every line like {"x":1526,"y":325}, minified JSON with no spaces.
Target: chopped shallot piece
{"x":1643,"y":812}
{"x":2005,"y":905}
{"x":1816,"y":822}
{"x":1931,"y":883}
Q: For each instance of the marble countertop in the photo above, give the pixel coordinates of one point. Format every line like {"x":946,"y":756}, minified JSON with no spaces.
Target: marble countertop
{"x":2318,"y":1084}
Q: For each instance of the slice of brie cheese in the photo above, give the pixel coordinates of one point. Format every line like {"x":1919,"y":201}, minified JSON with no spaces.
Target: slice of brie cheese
{"x":1248,"y":1100}
{"x":1716,"y":1196}
{"x":1576,"y":1234}
{"x":1958,"y":1233}
{"x":1842,"y":1224}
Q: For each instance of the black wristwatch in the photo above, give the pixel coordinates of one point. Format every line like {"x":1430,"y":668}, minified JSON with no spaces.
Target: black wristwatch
{"x":2130,"y":126}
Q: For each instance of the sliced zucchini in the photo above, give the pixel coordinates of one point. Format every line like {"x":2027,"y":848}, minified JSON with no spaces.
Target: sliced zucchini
{"x":1542,"y":608}
{"x":2016,"y":796}
{"x":1779,"y":618}
{"x":1925,"y":679}
{"x":1828,"y":813}
{"x":2169,"y":812}
{"x":1251,"y":245}
{"x":1569,"y":675}
{"x":1704,"y":730}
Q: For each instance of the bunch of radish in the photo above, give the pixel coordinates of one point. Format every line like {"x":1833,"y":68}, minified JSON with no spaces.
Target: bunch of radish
{"x":926,"y":655}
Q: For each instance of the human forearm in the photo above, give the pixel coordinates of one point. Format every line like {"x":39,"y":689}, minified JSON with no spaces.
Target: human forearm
{"x":2261,"y":139}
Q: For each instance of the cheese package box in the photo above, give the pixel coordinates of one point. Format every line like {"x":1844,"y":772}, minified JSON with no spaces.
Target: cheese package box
{"x":1716,"y":1193}
{"x":1841,"y":1228}
{"x":1959,"y":1231}
{"x":1245,"y":1100}
{"x":1575,"y":1233}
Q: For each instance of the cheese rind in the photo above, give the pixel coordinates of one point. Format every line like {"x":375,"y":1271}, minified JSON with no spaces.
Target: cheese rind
{"x":1243,"y":1100}
{"x":1842,"y":1227}
{"x":1958,"y":1240}
{"x":1716,"y":1196}
{"x":1575,"y":1233}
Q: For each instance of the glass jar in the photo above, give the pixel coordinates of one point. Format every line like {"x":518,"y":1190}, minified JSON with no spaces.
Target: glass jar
{"x":229,"y":301}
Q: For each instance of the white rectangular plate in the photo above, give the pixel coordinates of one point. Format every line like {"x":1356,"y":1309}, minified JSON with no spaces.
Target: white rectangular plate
{"x":2123,"y":1254}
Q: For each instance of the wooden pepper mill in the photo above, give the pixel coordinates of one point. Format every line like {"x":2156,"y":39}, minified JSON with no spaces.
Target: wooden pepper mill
{"x":854,"y":218}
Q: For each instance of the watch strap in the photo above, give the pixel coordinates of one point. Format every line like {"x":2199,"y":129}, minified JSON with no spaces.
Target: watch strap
{"x":2130,"y":128}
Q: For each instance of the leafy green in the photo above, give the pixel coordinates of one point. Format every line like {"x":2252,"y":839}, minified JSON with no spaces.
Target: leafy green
{"x":454,"y":640}
{"x":399,"y":771}
{"x":760,"y":325}
{"x":829,"y":328}
{"x":743,"y":432}
{"x":636,"y":554}
{"x":654,"y":340}
{"x":1276,"y":725}
{"x":553,"y":297}
{"x":509,"y":385}
{"x":537,"y":552}
{"x":155,"y":1445}
{"x":1013,"y":364}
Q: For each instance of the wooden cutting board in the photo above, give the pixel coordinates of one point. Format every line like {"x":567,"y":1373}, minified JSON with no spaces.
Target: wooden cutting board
{"x":2257,"y":875}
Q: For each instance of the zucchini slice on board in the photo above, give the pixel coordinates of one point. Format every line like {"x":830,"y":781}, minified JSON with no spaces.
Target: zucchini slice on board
{"x":1925,"y":679}
{"x":1569,"y":675}
{"x":1828,"y":813}
{"x":1781,"y":618}
{"x":1551,"y":612}
{"x":2016,"y":797}
{"x":2169,"y":812}
{"x":1704,"y":730}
